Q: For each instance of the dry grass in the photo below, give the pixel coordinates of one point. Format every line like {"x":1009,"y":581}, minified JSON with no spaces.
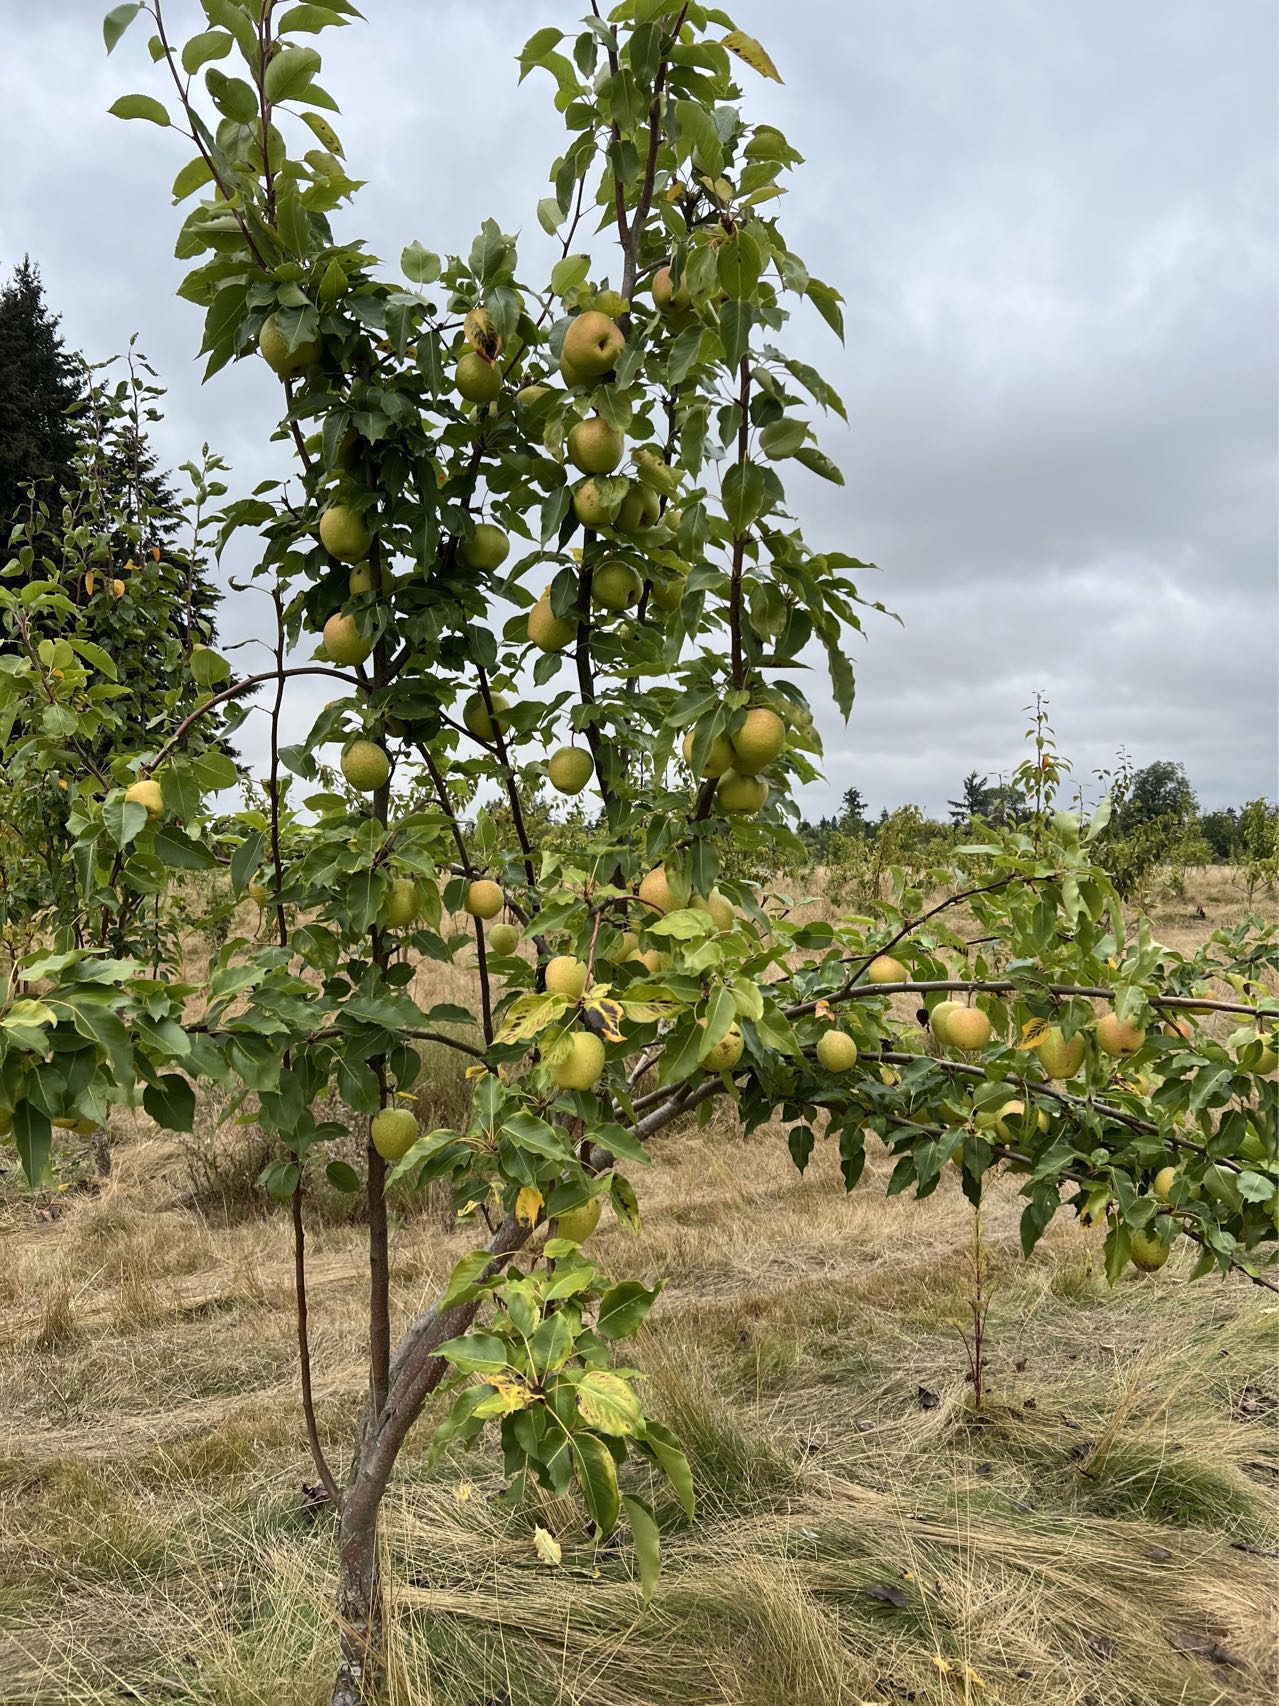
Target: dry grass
{"x":1102,"y":1534}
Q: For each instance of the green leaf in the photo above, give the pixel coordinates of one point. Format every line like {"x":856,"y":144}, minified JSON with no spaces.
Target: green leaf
{"x":623,"y":1309}
{"x":475,"y":1352}
{"x":531,"y":1133}
{"x":827,"y":303}
{"x":820,"y":463}
{"x":1254,"y":1187}
{"x":123,"y":819}
{"x":783,"y":437}
{"x":204,"y":48}
{"x":537,"y":47}
{"x":343,"y":1177}
{"x":105,"y":1028}
{"x":462,"y":1286}
{"x":140,"y":106}
{"x":325,"y":132}
{"x":281,"y":1179}
{"x":661,"y":1444}
{"x":597,"y":1478}
{"x":552,"y":1344}
{"x":570,"y":272}
{"x":419,"y":265}
{"x":289,"y":73}
{"x":817,"y":388}
{"x":233,"y":17}
{"x":721,"y":1012}
{"x":232,"y":96}
{"x":648,"y":1543}
{"x":245,"y":861}
{"x":193,"y":176}
{"x":735,"y":321}
{"x":608,"y":1402}
{"x":180,"y":853}
{"x":117,"y":22}
{"x":739,"y":264}
{"x":171,"y":1103}
{"x":743,"y":495}
{"x":33,"y":1135}
{"x":308,"y":19}
{"x":697,"y":130}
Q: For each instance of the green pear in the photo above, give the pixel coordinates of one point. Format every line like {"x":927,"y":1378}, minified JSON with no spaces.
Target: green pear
{"x":477,"y":379}
{"x":595,"y":447}
{"x":570,"y":769}
{"x":616,"y":586}
{"x":274,"y":350}
{"x":486,"y":549}
{"x":592,"y":344}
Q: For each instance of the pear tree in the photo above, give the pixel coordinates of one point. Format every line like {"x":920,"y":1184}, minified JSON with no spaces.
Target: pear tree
{"x":532,"y":517}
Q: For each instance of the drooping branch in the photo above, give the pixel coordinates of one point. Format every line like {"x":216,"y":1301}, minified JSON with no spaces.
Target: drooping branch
{"x":238,"y":687}
{"x":508,"y":776}
{"x":1068,"y":1098}
{"x":327,"y":1478}
{"x":1005,"y":1152}
{"x":1003,"y":986}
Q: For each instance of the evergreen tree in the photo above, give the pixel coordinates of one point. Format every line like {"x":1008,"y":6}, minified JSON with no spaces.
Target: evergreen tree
{"x":39,"y":384}
{"x":975,"y":801}
{"x":852,"y":817}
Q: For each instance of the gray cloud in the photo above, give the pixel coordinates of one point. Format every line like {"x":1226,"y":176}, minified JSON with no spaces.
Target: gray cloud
{"x":1055,"y":231}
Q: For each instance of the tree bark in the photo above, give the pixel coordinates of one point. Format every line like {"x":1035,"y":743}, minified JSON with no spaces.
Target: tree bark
{"x":362,"y":1664}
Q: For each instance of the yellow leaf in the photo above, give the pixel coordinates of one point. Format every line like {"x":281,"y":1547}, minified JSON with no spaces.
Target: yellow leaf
{"x":970,"y":1675}
{"x":474,"y":1072}
{"x":506,"y":1398}
{"x":528,"y":1015}
{"x":1033,"y":1033}
{"x":528,"y":1205}
{"x":943,"y":1665}
{"x":547,"y":1546}
{"x":462,"y":1492}
{"x":823,"y":1010}
{"x":747,"y":48}
{"x":480,"y":332}
{"x":889,"y":1075}
{"x":602,"y":1014}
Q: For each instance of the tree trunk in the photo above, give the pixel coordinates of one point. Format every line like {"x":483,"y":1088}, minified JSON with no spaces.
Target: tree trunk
{"x":414,"y":1373}
{"x":362,"y":1666}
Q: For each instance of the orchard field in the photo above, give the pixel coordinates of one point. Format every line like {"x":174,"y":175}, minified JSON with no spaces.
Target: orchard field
{"x":1102,"y":1529}
{"x":498,"y":1209}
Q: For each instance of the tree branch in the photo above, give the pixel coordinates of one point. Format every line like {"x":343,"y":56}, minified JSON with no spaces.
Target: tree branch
{"x":304,"y":1348}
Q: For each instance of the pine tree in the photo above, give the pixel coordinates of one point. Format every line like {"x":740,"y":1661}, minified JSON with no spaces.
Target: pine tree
{"x":39,"y":384}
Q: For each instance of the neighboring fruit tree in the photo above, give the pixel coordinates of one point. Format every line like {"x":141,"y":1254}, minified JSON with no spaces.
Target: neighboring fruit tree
{"x":552,"y":519}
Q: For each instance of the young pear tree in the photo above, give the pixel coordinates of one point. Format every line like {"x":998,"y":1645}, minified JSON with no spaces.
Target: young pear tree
{"x":540,"y":531}
{"x":107,"y":614}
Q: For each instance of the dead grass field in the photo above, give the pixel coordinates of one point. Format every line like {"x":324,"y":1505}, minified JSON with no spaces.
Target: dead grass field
{"x":1102,"y":1534}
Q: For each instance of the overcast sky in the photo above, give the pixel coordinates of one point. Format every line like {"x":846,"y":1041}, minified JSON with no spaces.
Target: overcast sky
{"x":1055,"y":227}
